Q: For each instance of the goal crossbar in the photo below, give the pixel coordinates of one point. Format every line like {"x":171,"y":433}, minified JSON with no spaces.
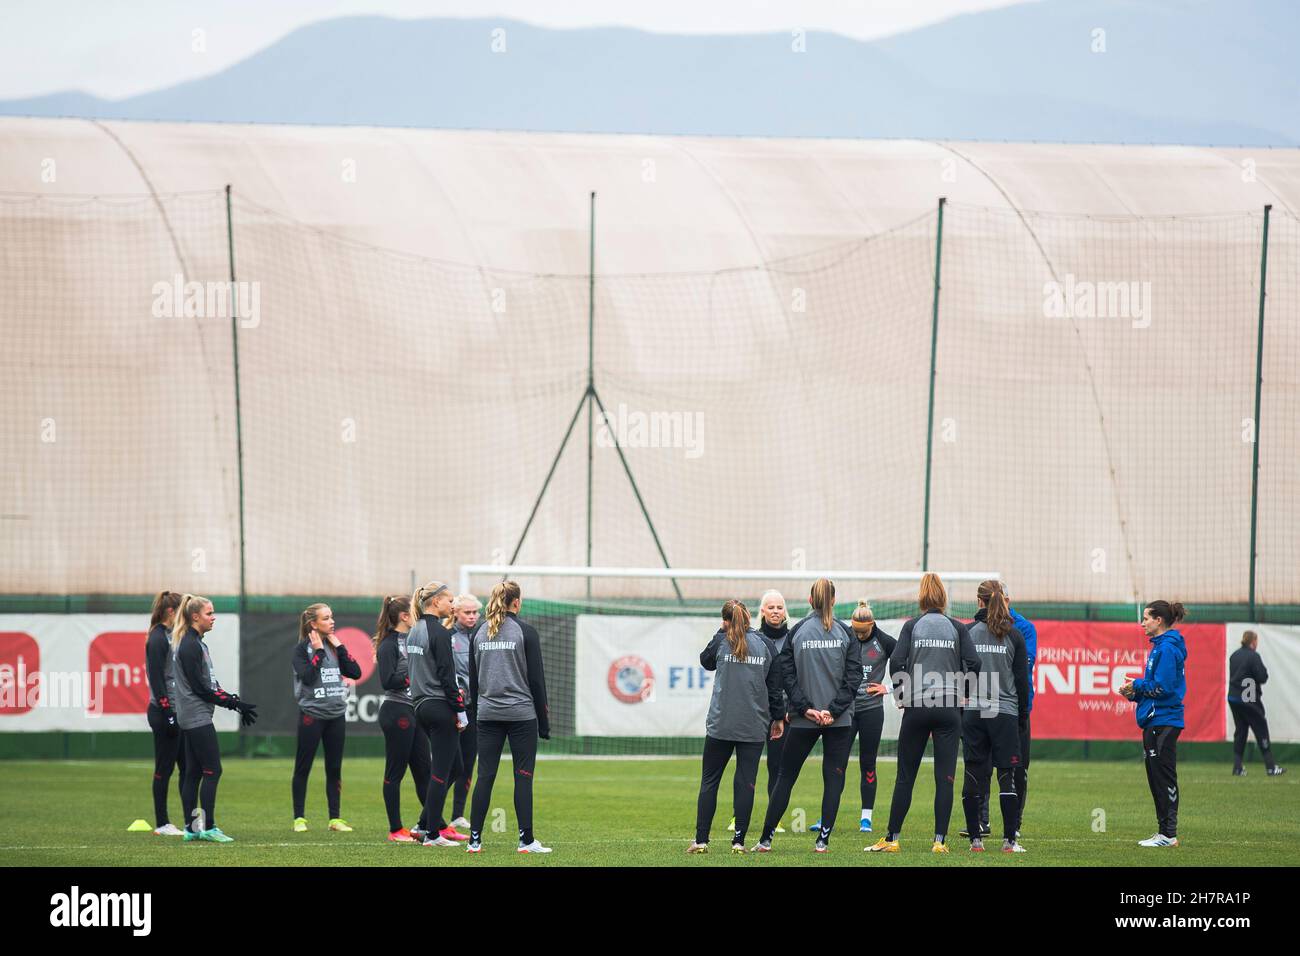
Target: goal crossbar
{"x":549,"y":570}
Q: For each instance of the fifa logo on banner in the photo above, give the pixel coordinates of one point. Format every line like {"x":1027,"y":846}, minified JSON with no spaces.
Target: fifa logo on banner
{"x":75,"y":909}
{"x":178,"y":299}
{"x":1084,"y":299}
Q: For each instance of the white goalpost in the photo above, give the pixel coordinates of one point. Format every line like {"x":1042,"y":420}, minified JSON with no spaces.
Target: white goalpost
{"x":470,"y":571}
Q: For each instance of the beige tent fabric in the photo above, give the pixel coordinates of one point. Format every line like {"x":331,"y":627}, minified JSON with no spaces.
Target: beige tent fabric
{"x":419,"y":350}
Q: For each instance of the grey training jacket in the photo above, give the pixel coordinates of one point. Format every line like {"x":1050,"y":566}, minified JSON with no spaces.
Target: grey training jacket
{"x":1000,"y":660}
{"x":875,"y":660}
{"x":429,"y":664}
{"x":193,"y":710}
{"x":821,"y":670}
{"x":747,"y":694}
{"x":327,"y":696}
{"x":501,"y":668}
{"x":460,"y":650}
{"x":402,"y":696}
{"x":933,"y":653}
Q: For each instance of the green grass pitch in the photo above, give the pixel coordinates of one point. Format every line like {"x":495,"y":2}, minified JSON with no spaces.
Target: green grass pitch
{"x":637,"y":813}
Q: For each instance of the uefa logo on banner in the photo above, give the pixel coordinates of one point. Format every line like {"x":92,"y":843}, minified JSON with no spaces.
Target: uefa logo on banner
{"x":631,"y":680}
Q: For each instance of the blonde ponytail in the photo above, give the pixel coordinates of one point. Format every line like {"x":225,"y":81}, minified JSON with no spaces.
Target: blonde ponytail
{"x":423,"y":595}
{"x":822,"y":600}
{"x":189,"y":604}
{"x":503,"y":595}
{"x":735,"y":618}
{"x":862,"y":617}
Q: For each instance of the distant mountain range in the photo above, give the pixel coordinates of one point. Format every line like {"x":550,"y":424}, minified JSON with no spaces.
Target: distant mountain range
{"x":1222,"y":72}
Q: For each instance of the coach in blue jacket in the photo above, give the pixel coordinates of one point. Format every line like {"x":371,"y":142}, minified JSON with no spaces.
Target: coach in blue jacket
{"x":1159,"y":695}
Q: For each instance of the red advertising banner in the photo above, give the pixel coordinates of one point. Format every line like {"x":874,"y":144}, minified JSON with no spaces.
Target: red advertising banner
{"x":86,"y":672}
{"x":1081,"y":665}
{"x":115,"y":663}
{"x":20,"y":661}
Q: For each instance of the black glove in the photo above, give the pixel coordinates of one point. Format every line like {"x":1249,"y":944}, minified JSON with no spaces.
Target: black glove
{"x":544,"y":733}
{"x":170,"y":727}
{"x":247,"y":713}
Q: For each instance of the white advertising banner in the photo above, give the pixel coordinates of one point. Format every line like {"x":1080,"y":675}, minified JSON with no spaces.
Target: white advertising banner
{"x":1279,"y":646}
{"x":86,"y":672}
{"x":641,"y":676}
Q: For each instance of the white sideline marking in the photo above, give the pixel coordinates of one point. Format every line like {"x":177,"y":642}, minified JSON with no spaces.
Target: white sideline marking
{"x":44,"y":847}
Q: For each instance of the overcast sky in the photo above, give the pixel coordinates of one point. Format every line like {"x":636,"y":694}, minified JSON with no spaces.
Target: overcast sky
{"x":117,"y":48}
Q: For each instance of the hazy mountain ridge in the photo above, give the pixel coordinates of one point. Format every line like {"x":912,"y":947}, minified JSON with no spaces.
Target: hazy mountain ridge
{"x":1190,"y":72}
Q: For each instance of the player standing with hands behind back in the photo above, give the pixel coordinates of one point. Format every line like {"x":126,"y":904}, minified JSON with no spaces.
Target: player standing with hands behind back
{"x":822,"y":669}
{"x":1159,"y":696}
{"x":931,"y":666}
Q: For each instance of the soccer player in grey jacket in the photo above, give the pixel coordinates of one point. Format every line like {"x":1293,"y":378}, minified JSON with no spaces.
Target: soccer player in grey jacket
{"x":168,"y":754}
{"x":438,"y":700}
{"x":991,"y":722}
{"x":465,"y":613}
{"x":869,"y":705}
{"x":405,"y":743}
{"x":821,"y":668}
{"x":507,"y":690}
{"x":746,"y":709}
{"x":197,"y":695}
{"x":774,"y":624}
{"x":930,"y":664}
{"x":320,"y":662}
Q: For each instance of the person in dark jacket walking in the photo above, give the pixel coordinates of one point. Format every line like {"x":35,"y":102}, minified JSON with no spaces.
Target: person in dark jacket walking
{"x":1159,"y":697}
{"x":197,"y":695}
{"x":507,"y":689}
{"x":822,"y":670}
{"x":438,"y":700}
{"x":746,"y":709}
{"x":1246,"y":677}
{"x":320,"y":663}
{"x":931,"y":666}
{"x":405,"y":743}
{"x":991,"y":722}
{"x":168,"y":753}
